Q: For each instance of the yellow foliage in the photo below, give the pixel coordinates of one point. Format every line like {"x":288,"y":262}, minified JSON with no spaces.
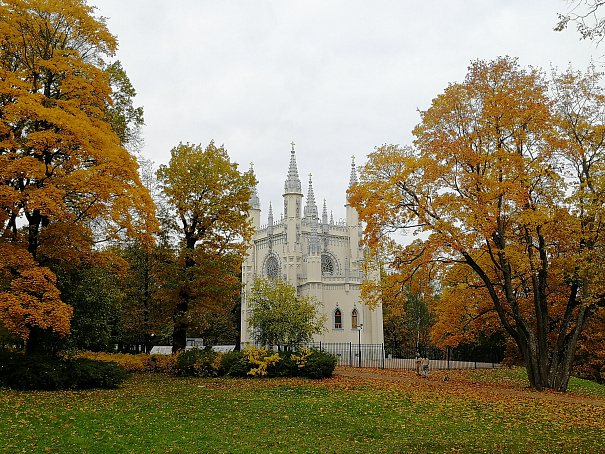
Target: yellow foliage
{"x":142,"y":362}
{"x":29,"y":297}
{"x":261,"y":358}
{"x":301,"y":360}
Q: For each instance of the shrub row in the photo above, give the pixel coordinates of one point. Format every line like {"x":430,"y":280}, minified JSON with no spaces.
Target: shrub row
{"x":107,"y":370}
{"x":41,"y":372}
{"x":254,"y":362}
{"x":142,"y":362}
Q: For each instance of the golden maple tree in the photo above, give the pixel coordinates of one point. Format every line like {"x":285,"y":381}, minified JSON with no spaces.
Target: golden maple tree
{"x":505,"y":188}
{"x":62,"y":166}
{"x":210,"y":198}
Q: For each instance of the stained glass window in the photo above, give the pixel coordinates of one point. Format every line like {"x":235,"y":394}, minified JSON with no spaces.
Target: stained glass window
{"x":327,"y":266}
{"x":272,"y":268}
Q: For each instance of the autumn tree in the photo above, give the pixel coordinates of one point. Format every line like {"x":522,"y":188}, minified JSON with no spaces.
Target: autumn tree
{"x":505,"y":187}
{"x":62,"y":165}
{"x":280,"y":317}
{"x":209,"y":198}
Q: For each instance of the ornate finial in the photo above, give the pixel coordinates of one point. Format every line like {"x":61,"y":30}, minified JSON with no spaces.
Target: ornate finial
{"x":353,"y":158}
{"x":310,"y":175}
{"x":251,"y":165}
{"x":292,"y":143}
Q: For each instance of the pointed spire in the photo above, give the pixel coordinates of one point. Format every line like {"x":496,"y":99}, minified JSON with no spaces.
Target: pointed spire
{"x":324,"y":215}
{"x":311,"y":208}
{"x":254,"y":198}
{"x":270,"y":214}
{"x":324,"y":219}
{"x":270,"y":226}
{"x":292,"y":185}
{"x":353,"y":177}
{"x":331,"y":217}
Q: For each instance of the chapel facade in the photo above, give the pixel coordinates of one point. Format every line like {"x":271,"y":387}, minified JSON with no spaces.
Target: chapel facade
{"x":320,"y":257}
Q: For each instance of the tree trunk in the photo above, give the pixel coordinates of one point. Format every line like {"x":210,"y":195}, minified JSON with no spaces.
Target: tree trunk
{"x":179,"y":334}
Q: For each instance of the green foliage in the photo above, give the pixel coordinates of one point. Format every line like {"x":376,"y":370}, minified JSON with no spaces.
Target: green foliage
{"x":125,"y":119}
{"x":197,"y":363}
{"x":407,"y":320}
{"x":41,"y":372}
{"x":95,"y":295}
{"x":319,"y":364}
{"x":233,"y":364}
{"x":315,"y":364}
{"x":281,"y":317}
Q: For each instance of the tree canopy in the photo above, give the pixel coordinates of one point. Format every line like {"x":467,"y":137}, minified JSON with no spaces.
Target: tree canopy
{"x":209,"y":198}
{"x":280,"y":317}
{"x":62,"y":166}
{"x":505,"y":187}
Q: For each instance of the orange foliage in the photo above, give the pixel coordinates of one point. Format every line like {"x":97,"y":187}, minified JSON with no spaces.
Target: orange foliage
{"x":29,"y":297}
{"x":61,"y":164}
{"x":505,"y":189}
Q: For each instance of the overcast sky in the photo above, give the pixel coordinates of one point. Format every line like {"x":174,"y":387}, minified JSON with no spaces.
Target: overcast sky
{"x":337,"y":77}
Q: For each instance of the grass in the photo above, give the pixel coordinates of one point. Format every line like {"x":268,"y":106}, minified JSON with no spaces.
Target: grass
{"x":159,"y":413}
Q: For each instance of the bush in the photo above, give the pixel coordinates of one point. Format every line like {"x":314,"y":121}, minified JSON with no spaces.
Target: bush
{"x":142,"y":362}
{"x":197,"y":363}
{"x":313,"y":364}
{"x":285,"y":367}
{"x":41,"y":372}
{"x":228,"y":361}
{"x":319,"y":364}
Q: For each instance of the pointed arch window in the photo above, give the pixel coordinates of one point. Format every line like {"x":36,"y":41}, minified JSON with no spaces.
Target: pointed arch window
{"x":337,"y":319}
{"x":354,"y":319}
{"x":272,"y":268}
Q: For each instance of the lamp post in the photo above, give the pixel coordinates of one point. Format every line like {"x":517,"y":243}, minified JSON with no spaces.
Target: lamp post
{"x":359,"y":341}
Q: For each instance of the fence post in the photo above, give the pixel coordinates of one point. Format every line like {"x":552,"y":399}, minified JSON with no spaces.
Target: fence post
{"x":382,"y":356}
{"x":350,"y":354}
{"x":448,"y":357}
{"x":475,"y":356}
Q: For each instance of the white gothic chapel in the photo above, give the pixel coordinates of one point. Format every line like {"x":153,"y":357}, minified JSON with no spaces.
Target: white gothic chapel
{"x":320,"y":257}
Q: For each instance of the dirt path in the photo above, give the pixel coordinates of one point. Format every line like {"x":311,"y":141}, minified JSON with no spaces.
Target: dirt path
{"x":548,"y":396}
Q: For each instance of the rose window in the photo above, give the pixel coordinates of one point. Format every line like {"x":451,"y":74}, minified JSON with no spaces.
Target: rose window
{"x":272,"y":268}
{"x":327,"y":266}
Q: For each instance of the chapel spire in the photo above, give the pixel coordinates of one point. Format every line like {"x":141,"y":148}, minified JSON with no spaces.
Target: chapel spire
{"x":324,"y":214}
{"x":292,"y":185}
{"x":254,"y":198}
{"x":353,"y":176}
{"x":311,"y":208}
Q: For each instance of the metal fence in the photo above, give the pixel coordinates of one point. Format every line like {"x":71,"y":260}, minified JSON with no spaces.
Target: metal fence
{"x":384,"y":357}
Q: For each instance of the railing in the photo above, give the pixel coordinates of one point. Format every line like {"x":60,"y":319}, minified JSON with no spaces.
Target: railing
{"x":383,"y":357}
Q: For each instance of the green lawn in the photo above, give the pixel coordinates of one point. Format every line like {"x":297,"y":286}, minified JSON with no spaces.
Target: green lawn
{"x":159,"y":413}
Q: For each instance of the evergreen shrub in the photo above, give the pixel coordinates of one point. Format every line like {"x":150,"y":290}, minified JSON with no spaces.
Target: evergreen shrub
{"x":319,"y":365}
{"x":41,"y":372}
{"x":231,"y":360}
{"x":315,"y":364}
{"x":197,"y":363}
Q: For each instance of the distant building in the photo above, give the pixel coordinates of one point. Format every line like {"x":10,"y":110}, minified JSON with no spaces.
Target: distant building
{"x":322,"y":258}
